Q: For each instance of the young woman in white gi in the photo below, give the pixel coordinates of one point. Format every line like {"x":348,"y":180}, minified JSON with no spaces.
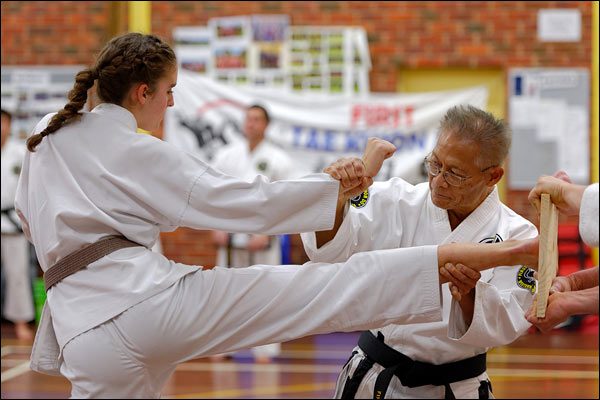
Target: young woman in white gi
{"x":119,"y":327}
{"x":460,"y":203}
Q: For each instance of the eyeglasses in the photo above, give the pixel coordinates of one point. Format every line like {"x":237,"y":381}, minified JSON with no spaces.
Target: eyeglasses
{"x":434,"y":169}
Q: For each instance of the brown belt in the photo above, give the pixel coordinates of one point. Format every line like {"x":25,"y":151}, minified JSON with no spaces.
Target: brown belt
{"x":83,"y":257}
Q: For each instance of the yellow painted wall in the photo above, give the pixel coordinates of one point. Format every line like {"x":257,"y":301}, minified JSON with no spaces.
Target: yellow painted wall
{"x":140,"y":21}
{"x":427,"y":80}
{"x":139,"y":16}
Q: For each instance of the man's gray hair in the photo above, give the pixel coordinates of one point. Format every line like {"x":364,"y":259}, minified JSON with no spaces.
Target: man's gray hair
{"x":471,"y":123}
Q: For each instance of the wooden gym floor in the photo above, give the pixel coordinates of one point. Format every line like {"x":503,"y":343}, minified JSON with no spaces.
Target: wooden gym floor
{"x":558,"y":365}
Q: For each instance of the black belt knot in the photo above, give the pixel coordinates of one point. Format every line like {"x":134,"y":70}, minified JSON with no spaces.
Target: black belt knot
{"x":415,"y":373}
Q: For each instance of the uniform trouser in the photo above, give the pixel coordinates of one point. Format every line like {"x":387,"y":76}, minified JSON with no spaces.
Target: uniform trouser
{"x":18,"y":299}
{"x":465,"y":389}
{"x":221,"y":310}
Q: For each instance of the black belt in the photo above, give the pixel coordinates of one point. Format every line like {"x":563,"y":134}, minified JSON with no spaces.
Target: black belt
{"x":415,"y":373}
{"x":8,"y":212}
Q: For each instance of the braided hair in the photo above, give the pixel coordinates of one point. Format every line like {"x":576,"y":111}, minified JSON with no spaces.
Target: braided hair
{"x":126,"y":60}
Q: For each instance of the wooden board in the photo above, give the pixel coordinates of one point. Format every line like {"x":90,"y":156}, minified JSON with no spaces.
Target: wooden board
{"x":548,"y":252}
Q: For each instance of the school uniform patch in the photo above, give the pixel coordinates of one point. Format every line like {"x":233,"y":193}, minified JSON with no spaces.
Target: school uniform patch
{"x":361,"y":200}
{"x":525,"y":279}
{"x":494,"y":239}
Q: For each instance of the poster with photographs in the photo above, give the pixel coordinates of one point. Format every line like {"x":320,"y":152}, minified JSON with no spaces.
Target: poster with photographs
{"x":264,"y":50}
{"x":230,"y":57}
{"x":193,"y":36}
{"x":230,"y":49}
{"x":232,"y":29}
{"x":192,"y":47}
{"x":269,"y":49}
{"x":329,"y":59}
{"x":270,"y":28}
{"x":194,"y":59}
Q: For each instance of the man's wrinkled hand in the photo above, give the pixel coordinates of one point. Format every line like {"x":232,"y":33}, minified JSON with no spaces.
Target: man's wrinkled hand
{"x":461,"y":279}
{"x":376,"y":152}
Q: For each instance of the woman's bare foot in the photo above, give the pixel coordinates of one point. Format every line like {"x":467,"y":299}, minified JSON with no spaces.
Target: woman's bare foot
{"x":23,"y":331}
{"x":221,"y":357}
{"x":263,"y":359}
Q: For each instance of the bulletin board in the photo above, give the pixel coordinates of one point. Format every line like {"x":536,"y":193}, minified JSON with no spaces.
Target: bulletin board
{"x":31,"y":92}
{"x":550,"y":118}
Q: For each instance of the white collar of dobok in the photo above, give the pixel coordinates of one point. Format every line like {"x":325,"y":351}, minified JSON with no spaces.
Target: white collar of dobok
{"x":117,"y":113}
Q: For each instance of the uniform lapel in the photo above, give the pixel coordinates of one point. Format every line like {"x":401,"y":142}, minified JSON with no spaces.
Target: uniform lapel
{"x":475,"y":223}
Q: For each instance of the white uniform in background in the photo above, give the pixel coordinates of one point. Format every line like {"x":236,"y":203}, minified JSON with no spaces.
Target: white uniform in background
{"x":588,"y":215}
{"x":268,"y":160}
{"x":397,"y":214}
{"x":18,"y":298}
{"x":122,"y":324}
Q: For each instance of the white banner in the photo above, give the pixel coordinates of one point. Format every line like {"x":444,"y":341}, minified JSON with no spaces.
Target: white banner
{"x":314,"y":129}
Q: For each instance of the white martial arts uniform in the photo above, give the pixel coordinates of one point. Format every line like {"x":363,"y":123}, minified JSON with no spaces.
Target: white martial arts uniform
{"x":268,"y":160}
{"x":18,"y":298}
{"x":397,"y":214}
{"x":119,"y":327}
{"x":588,"y":215}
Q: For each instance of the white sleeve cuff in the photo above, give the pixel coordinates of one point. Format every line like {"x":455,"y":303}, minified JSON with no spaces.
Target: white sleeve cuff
{"x":588,"y":215}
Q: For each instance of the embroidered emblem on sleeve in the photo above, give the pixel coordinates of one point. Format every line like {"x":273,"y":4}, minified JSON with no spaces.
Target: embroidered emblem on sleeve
{"x":525,"y":279}
{"x":361,"y":200}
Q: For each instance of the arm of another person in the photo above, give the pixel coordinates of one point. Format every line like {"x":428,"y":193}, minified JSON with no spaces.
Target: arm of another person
{"x":349,"y":171}
{"x":565,"y":195}
{"x":576,"y":293}
{"x":185,"y":191}
{"x":562,"y":305}
{"x":491,"y":314}
{"x":571,"y":199}
{"x":588,"y":215}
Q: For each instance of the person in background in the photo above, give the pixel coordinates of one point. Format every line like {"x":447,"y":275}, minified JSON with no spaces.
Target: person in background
{"x":245,"y":159}
{"x":576,"y":293}
{"x":18,"y":298}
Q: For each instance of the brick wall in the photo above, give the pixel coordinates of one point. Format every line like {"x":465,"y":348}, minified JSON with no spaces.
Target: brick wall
{"x":401,"y":34}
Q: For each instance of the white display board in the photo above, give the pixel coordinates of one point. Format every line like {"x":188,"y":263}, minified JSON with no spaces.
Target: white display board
{"x":550,"y":118}
{"x":31,"y":92}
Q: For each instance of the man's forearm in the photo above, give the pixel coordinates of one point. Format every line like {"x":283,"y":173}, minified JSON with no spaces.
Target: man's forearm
{"x":583,"y":301}
{"x":483,"y":256}
{"x":585,"y":279}
{"x":324,"y":237}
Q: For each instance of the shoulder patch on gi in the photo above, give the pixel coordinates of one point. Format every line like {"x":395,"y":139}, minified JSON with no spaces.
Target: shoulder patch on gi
{"x":493,"y":239}
{"x":525,"y":279}
{"x":361,"y":200}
